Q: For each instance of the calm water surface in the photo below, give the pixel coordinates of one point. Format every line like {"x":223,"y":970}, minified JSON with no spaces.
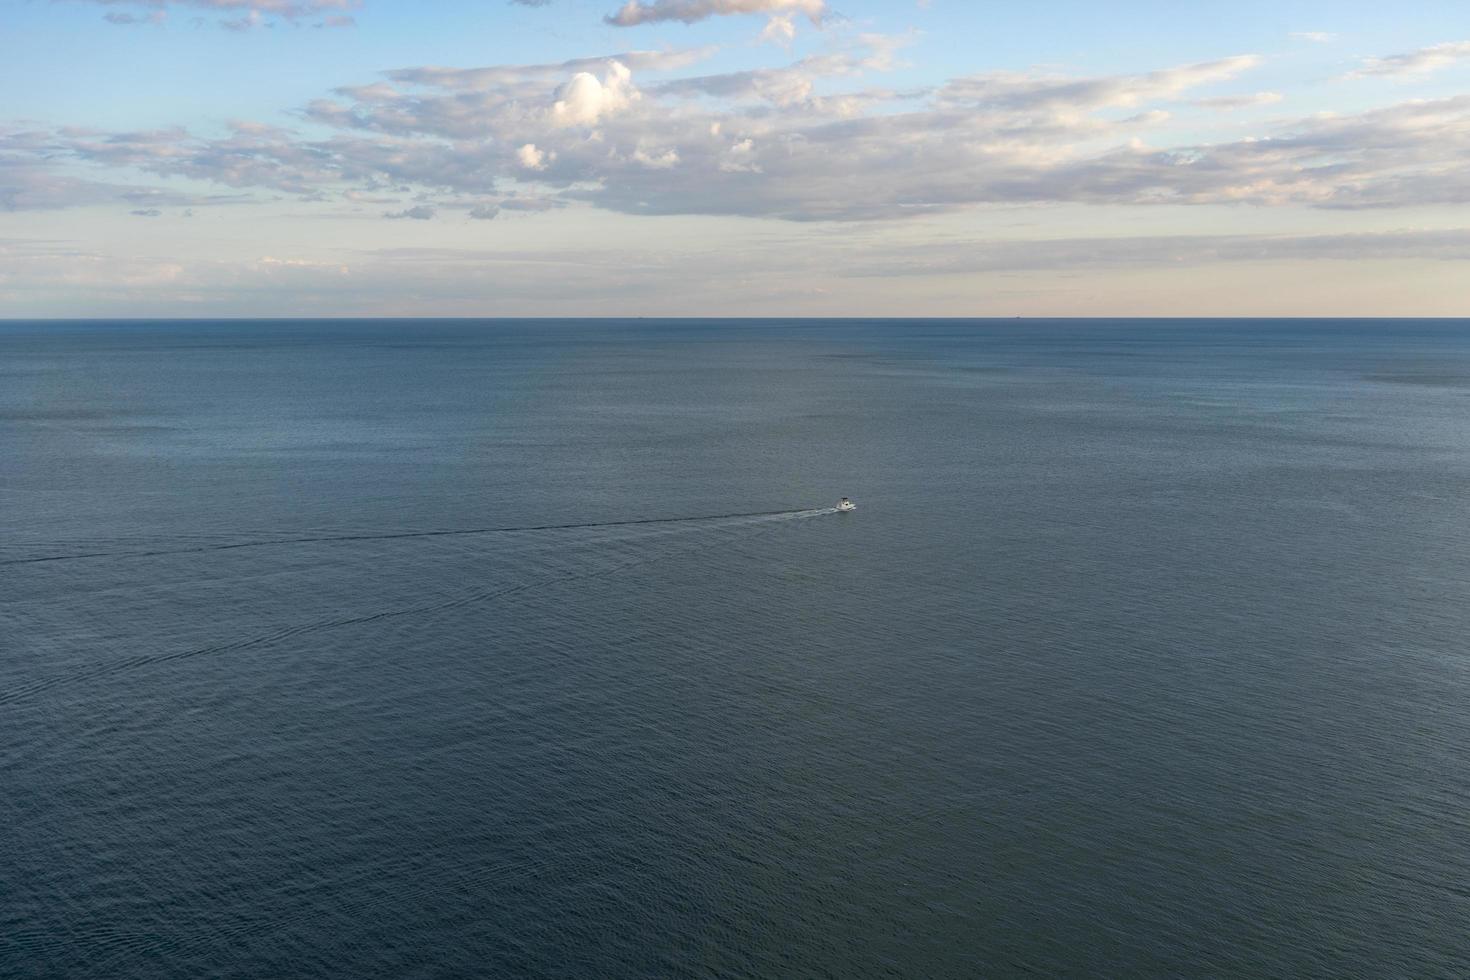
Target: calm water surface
{"x":1147,"y":653}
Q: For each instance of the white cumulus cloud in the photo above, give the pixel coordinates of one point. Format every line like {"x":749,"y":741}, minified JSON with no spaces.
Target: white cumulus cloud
{"x":585,"y":99}
{"x":529,"y":157}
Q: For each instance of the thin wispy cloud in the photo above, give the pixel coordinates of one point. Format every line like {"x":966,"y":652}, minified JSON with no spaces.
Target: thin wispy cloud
{"x":1173,"y":251}
{"x":236,"y":15}
{"x":1024,"y":92}
{"x":636,"y":12}
{"x":129,"y":19}
{"x":1422,"y":61}
{"x":374,"y":279}
{"x":1230,"y":103}
{"x":419,"y":212}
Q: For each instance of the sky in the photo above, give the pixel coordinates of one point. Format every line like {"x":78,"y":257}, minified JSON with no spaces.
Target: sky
{"x":208,"y":158}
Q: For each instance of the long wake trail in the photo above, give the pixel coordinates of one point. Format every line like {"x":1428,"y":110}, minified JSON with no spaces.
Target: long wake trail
{"x":105,"y":669}
{"x":404,"y":535}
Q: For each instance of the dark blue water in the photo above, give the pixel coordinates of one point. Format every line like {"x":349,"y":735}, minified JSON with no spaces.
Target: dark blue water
{"x":1147,"y":653}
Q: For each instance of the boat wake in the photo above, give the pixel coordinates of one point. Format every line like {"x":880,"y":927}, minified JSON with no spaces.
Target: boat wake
{"x":406,"y":535}
{"x":110,"y":668}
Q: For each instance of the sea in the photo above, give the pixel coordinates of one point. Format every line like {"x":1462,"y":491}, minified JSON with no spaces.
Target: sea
{"x":451,"y":648}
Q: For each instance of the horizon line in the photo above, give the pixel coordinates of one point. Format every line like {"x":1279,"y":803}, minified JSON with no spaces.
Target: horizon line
{"x":289,"y":318}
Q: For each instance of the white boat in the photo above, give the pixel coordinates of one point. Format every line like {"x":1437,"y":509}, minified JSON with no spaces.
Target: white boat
{"x":845,"y":506}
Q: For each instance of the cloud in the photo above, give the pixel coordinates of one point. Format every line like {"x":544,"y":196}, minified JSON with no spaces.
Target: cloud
{"x":812,"y":140}
{"x":1029,"y":93}
{"x":488,"y":210}
{"x":421,"y":212}
{"x":780,"y":29}
{"x":530,"y":204}
{"x":530,"y":158}
{"x":271,"y":263}
{"x":515,"y":77}
{"x":584,"y":99}
{"x":247,"y":13}
{"x":1229,"y":103}
{"x":117,"y":17}
{"x":795,"y":83}
{"x":34,"y":265}
{"x":1315,"y":37}
{"x":1415,"y":62}
{"x":748,"y":268}
{"x":1154,"y":251}
{"x":251,"y":20}
{"x":35,"y":176}
{"x":635,"y":12}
